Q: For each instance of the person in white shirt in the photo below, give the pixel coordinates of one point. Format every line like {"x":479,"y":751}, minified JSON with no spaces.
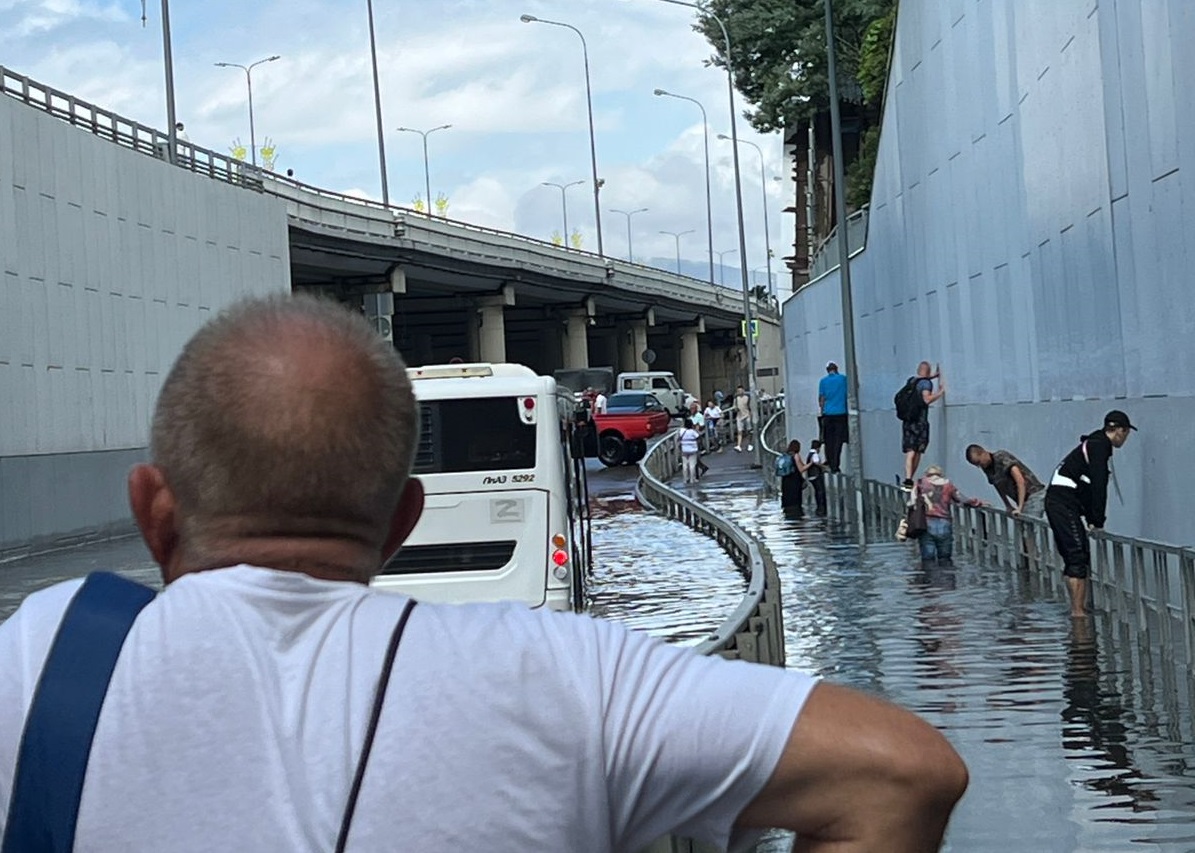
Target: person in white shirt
{"x":599,"y":403}
{"x":237,"y":712}
{"x":713,"y":414}
{"x":690,"y":450}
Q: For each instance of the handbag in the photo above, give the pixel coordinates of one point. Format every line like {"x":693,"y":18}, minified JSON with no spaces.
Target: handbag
{"x":915,"y":520}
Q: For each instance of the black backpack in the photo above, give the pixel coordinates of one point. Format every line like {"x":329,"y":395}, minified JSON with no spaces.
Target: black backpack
{"x":908,"y":401}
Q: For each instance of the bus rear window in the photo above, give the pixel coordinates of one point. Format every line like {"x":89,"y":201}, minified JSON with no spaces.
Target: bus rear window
{"x":474,"y":434}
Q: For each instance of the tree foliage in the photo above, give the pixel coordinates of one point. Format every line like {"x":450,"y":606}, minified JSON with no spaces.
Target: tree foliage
{"x":780,"y":53}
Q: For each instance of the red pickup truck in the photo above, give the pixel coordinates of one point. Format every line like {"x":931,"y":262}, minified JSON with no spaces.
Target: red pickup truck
{"x":630,"y":420}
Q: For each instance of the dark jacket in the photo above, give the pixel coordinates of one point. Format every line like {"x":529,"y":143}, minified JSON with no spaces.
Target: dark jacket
{"x":1087,"y":467}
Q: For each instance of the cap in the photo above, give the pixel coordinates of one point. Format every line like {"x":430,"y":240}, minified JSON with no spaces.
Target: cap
{"x":932,"y":470}
{"x":1117,"y":419}
{"x":832,"y":364}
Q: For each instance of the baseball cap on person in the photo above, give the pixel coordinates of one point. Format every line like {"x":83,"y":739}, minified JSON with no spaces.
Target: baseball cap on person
{"x":1117,"y":419}
{"x":934,"y":471}
{"x":830,"y":365}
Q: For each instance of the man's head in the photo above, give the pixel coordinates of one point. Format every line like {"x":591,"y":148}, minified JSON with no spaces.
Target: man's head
{"x":934,"y":471}
{"x":694,"y":406}
{"x":831,"y":367}
{"x":978,"y":456}
{"x":739,"y":390}
{"x":924,"y":369}
{"x":816,"y":444}
{"x":1117,"y":427}
{"x":283,"y":436}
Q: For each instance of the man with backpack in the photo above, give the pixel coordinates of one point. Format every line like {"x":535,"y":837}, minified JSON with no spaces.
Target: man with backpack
{"x":912,"y":407}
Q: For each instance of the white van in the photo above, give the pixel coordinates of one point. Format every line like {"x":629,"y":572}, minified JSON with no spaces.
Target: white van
{"x":506,"y":513}
{"x":662,"y":383}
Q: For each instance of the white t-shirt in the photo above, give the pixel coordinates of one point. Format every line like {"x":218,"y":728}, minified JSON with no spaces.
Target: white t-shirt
{"x":239,"y":703}
{"x":713,"y":413}
{"x":599,"y":404}
{"x":690,"y":441}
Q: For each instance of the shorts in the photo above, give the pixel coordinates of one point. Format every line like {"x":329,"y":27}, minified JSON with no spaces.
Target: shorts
{"x":1070,"y":535}
{"x":1035,"y":505}
{"x":743,"y":424}
{"x":914,"y":436}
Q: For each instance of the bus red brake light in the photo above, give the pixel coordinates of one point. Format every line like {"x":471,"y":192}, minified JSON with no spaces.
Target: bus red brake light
{"x":559,"y":557}
{"x":528,"y":402}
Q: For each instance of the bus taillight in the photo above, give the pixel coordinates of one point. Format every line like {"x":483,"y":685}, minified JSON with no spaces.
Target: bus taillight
{"x":559,"y":541}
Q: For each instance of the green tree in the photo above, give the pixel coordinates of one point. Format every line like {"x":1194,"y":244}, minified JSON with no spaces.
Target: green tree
{"x":575,"y":239}
{"x":780,"y":53}
{"x":441,"y":205}
{"x":557,"y":238}
{"x":418,"y":204}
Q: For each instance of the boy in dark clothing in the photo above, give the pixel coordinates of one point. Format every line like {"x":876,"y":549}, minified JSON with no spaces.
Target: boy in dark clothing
{"x":1077,"y":491}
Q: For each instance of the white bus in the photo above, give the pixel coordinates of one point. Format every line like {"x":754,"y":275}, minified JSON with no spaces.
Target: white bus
{"x":507,"y":511}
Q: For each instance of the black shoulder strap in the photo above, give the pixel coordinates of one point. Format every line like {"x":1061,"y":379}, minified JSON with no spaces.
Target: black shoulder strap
{"x":60,"y":726}
{"x":379,"y":698}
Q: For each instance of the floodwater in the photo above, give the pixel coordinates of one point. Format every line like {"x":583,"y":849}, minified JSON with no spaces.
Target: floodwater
{"x":1078,"y":735}
{"x":659,"y":576}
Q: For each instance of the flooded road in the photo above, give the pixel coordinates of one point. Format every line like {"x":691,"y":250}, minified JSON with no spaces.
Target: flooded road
{"x":1078,"y":737}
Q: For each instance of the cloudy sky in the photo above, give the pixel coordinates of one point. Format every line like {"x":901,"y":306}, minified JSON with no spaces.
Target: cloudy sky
{"x":513,"y":92}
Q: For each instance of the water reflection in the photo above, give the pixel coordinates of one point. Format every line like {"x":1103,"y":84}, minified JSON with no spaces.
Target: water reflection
{"x":1078,"y":734}
{"x":658,"y":576}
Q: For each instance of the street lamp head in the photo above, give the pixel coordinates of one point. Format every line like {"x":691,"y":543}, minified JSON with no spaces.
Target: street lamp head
{"x":723,"y":136}
{"x":442,"y":127}
{"x":272,"y":58}
{"x":660,"y":92}
{"x":222,"y":64}
{"x":528,"y":19}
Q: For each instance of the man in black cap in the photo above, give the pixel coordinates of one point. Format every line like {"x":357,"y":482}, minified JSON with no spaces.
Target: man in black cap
{"x":1079,"y":490}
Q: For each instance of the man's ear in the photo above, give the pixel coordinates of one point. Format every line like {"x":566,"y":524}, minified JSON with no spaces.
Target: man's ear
{"x":406,"y":516}
{"x":155,"y":510}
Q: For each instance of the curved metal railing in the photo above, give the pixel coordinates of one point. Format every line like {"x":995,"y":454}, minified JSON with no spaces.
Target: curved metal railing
{"x":755,"y":630}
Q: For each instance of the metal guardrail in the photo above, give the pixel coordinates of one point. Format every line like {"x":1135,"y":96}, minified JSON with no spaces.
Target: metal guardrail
{"x":204,"y":161}
{"x":825,"y":256}
{"x":755,"y":630}
{"x":1148,"y":586}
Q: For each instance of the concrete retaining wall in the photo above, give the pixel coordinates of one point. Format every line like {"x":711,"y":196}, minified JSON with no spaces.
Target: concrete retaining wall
{"x":110,"y":260}
{"x":1028,"y":231}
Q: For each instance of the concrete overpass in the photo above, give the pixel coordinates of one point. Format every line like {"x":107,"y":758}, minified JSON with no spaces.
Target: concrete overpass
{"x":448,"y":289}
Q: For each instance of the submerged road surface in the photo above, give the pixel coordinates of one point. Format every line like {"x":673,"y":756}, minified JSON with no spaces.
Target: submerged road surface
{"x":1078,"y":738}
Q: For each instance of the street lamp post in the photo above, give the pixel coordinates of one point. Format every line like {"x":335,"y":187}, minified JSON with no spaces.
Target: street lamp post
{"x":763,"y":183}
{"x":752,"y":383}
{"x":705,"y":138}
{"x":563,"y":201}
{"x":168,"y":65}
{"x":597,"y":182}
{"x":844,"y":269}
{"x":676,"y":235}
{"x":377,"y":105}
{"x":628,"y":214}
{"x":722,"y":265}
{"x":248,"y":69}
{"x":427,"y":179}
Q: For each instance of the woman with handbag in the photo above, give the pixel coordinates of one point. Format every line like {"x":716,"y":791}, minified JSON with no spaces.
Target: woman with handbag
{"x":937,"y":494}
{"x":791,"y":469}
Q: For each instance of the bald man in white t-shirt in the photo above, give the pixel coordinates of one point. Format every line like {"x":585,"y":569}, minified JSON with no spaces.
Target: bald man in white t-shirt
{"x":237,"y":711}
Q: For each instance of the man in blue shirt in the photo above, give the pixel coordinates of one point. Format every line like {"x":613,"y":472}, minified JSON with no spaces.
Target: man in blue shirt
{"x":831,"y":402}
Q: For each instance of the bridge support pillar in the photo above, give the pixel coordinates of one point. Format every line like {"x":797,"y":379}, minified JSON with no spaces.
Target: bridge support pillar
{"x":631,"y":345}
{"x":491,"y":332}
{"x":690,"y":360}
{"x":576,"y":343}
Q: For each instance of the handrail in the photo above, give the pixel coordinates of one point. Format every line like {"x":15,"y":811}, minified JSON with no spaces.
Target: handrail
{"x":1149,"y":586}
{"x":755,"y":630}
{"x":195,"y":158}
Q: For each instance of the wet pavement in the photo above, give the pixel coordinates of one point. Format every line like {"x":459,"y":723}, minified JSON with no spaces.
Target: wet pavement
{"x":1078,"y":737}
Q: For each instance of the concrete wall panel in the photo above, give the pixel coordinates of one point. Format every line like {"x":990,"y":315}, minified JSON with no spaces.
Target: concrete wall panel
{"x":1029,"y":229}
{"x":109,"y":260}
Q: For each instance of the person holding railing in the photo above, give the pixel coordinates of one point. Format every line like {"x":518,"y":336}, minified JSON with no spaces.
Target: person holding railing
{"x":269,"y":699}
{"x":1077,"y":491}
{"x":939,"y":495}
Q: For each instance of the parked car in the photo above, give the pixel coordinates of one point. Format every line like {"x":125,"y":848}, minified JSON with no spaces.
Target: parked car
{"x":631,"y":419}
{"x":661,"y":383}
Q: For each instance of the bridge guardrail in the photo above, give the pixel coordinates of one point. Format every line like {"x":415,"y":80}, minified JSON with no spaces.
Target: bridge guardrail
{"x":1148,"y":586}
{"x":380,"y":220}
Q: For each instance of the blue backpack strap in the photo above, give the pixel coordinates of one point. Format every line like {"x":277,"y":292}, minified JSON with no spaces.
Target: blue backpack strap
{"x":56,"y":742}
